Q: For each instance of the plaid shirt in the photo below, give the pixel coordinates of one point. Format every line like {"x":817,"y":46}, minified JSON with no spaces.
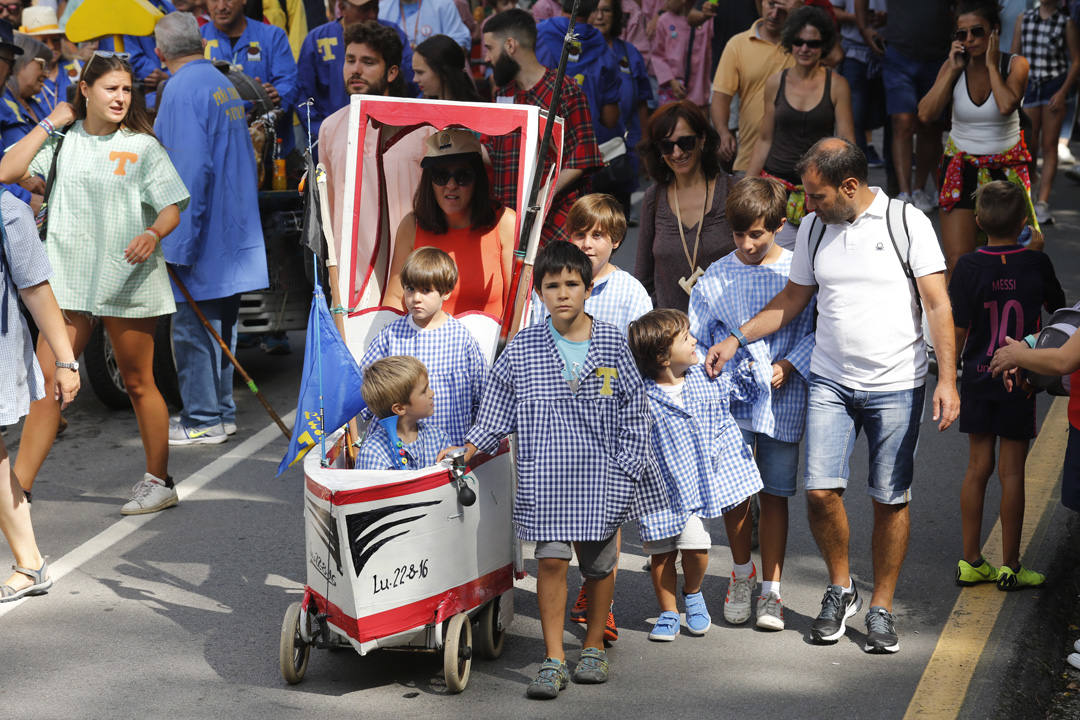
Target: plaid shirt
{"x":727,"y":295}
{"x":700,"y":450}
{"x":579,"y":149}
{"x":583,"y":459}
{"x":376,"y":454}
{"x":618,"y":299}
{"x":456,"y":368}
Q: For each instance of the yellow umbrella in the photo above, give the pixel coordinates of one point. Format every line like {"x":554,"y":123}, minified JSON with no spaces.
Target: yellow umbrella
{"x":97,"y":18}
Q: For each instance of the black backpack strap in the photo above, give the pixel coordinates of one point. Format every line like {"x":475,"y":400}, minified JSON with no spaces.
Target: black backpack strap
{"x":50,"y":181}
{"x":814,"y":243}
{"x":900,"y":237}
{"x":5,"y":267}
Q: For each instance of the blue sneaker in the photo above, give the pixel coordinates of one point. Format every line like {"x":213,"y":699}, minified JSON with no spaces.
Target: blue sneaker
{"x":666,"y":627}
{"x":698,"y":620}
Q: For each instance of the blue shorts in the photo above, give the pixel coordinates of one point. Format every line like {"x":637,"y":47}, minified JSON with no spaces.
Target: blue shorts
{"x":834,"y":417}
{"x":906,"y":81}
{"x":1039,"y":93}
{"x":777,"y":461}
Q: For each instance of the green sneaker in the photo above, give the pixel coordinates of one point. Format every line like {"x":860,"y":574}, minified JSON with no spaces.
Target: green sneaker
{"x":1024,"y":578}
{"x":552,"y":677}
{"x":968,"y":574}
{"x":592,"y":668}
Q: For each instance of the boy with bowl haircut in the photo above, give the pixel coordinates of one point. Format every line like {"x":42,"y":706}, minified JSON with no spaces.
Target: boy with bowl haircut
{"x":446,"y":348}
{"x":570,"y":389}
{"x":397,"y":387}
{"x":731,"y":292}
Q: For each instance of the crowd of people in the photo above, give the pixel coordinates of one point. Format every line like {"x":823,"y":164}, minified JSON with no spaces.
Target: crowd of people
{"x":813,"y":294}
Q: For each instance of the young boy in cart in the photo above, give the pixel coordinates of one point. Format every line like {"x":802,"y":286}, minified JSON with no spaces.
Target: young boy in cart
{"x":571,"y":391}
{"x":397,"y":391}
{"x":447,"y":349}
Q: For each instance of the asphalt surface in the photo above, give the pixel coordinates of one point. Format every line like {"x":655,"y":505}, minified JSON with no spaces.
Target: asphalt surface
{"x":179,"y":614}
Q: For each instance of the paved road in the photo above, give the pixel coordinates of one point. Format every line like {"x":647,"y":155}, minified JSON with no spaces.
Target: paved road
{"x":178,"y":614}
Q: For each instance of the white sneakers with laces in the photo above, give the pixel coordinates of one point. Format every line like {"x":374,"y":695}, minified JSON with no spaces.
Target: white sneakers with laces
{"x":737,"y":602}
{"x":149,"y":495}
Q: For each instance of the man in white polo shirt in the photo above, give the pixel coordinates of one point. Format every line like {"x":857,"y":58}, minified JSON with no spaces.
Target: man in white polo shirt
{"x":868,"y":370}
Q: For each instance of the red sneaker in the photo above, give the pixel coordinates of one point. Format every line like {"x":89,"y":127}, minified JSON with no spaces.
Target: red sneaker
{"x":579,"y":613}
{"x":611,"y":632}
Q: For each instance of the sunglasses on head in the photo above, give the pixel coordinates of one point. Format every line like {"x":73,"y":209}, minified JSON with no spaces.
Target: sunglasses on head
{"x":812,"y":44}
{"x":976,"y":32}
{"x":686,"y":143}
{"x":463,"y":176}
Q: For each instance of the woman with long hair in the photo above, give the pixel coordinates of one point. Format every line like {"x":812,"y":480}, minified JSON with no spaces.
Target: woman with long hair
{"x":439,"y":70}
{"x":116,"y":195}
{"x":455,"y":211}
{"x":683,"y":224}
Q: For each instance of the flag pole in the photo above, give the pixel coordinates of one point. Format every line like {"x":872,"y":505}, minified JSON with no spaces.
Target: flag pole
{"x":318,"y":360}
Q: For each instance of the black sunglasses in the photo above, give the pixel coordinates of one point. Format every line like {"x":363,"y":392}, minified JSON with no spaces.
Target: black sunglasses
{"x":686,"y":143}
{"x":812,"y":44}
{"x":463,"y":176}
{"x":976,"y":32}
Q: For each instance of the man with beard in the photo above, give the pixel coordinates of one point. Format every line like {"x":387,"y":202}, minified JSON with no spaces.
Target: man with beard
{"x":868,"y":369}
{"x":510,"y":47}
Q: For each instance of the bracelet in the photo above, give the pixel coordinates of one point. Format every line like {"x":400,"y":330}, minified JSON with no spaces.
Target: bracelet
{"x":47,"y":126}
{"x":737,"y":334}
{"x":153,"y":232}
{"x":1030,"y":340}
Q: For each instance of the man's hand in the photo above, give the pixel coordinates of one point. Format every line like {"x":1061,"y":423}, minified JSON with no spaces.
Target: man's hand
{"x":271,"y":91}
{"x":728,"y":145}
{"x":874,"y":40}
{"x":1007,"y":358}
{"x":36,"y":201}
{"x":946,"y":404}
{"x":34,"y":184}
{"x":150,"y":82}
{"x":781,"y":371}
{"x":719,"y":354}
{"x":677,"y":89}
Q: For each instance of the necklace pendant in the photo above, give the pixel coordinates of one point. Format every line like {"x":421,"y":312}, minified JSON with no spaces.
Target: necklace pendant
{"x":687,"y":284}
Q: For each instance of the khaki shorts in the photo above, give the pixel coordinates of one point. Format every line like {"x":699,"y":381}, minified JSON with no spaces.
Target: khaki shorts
{"x":596,"y":558}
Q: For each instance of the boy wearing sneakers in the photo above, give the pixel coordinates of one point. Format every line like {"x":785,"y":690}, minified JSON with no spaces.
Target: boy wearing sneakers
{"x":731,"y":292}
{"x":396,"y":390}
{"x":446,"y":348}
{"x":702,"y":458}
{"x":571,"y":391}
{"x":997,"y":292}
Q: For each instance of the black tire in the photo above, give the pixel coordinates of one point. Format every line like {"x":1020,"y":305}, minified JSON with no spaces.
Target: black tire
{"x":104,"y":376}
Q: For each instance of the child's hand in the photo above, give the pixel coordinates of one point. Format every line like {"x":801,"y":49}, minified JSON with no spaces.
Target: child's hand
{"x":677,"y":89}
{"x":444,"y":452}
{"x":781,"y":371}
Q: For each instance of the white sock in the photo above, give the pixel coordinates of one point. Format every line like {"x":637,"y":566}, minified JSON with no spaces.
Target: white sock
{"x":770,"y":586}
{"x":743,"y":571}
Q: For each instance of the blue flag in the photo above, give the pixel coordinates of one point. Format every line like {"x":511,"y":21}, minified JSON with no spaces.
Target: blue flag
{"x":340,"y":384}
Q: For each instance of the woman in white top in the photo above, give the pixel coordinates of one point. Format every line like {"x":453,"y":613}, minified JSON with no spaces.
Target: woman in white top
{"x":985,"y":143}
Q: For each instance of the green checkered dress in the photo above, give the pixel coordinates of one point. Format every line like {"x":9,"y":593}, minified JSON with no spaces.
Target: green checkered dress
{"x":108,"y":189}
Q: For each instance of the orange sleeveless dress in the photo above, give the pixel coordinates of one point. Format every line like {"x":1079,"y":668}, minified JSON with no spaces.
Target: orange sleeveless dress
{"x":481,"y":285}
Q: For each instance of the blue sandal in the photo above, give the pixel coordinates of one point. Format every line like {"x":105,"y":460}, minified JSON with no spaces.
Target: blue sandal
{"x":42,"y":582}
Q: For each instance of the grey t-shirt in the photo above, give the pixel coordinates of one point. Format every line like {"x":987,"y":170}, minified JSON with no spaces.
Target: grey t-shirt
{"x":920,"y":29}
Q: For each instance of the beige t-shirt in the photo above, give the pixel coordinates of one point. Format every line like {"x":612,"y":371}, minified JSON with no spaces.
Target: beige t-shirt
{"x":746,"y":64}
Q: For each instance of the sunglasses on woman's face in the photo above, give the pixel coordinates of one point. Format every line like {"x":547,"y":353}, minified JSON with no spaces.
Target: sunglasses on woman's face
{"x":812,"y":44}
{"x":463,"y":176}
{"x":976,"y":32}
{"x":686,"y":143}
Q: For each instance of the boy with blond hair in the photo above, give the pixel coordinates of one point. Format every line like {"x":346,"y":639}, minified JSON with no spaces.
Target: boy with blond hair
{"x":397,"y":392}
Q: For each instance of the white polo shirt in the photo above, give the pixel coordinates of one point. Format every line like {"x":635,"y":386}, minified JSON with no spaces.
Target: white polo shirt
{"x":869,"y":327}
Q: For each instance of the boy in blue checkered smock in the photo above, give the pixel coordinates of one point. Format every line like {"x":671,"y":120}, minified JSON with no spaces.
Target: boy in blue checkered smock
{"x":730,"y":292}
{"x":571,"y":391}
{"x":454,"y":363}
{"x":596,"y":224}
{"x":397,"y":391}
{"x":703,"y":459}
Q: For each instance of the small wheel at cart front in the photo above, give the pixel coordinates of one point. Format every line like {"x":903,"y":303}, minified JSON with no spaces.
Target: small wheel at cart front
{"x":294,"y":652}
{"x":489,"y":637}
{"x":457,"y":653}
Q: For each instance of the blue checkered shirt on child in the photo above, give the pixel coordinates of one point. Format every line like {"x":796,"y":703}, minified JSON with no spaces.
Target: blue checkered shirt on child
{"x":583,"y":460}
{"x":376,"y":452}
{"x":727,"y":295}
{"x":700,"y":449}
{"x":618,"y":299}
{"x":456,"y":369}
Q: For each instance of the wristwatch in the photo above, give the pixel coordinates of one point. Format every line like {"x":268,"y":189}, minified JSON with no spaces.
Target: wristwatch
{"x":73,"y":366}
{"x":737,"y":334}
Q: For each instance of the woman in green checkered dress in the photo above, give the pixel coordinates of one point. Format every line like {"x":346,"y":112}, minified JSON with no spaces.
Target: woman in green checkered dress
{"x":116,"y":195}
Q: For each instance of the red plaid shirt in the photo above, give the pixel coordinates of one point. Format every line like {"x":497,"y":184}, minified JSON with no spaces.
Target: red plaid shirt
{"x":579,"y":149}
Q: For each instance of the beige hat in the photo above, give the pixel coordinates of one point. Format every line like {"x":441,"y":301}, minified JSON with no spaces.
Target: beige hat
{"x":449,"y":143}
{"x":40,"y":20}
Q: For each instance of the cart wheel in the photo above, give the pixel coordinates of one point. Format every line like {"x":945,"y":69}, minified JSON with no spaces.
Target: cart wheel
{"x":293,"y":654}
{"x":489,"y":638}
{"x":457,"y":653}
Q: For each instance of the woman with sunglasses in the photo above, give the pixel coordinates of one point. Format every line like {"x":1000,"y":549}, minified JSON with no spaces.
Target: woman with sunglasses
{"x":803,"y":104}
{"x":115,"y":196}
{"x":683,"y":224}
{"x":984,"y":87}
{"x":19,"y":109}
{"x":455,"y":211}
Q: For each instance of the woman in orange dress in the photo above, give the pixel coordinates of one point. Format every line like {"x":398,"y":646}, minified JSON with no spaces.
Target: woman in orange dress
{"x":455,"y":211}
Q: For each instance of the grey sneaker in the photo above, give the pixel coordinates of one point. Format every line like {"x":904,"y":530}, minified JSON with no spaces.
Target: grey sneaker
{"x":737,"y":602}
{"x":770,"y":612}
{"x":592,"y":668}
{"x":880,"y":631}
{"x":149,"y":495}
{"x":180,"y":434}
{"x":230,"y":428}
{"x":836,"y":607}
{"x":552,"y":677}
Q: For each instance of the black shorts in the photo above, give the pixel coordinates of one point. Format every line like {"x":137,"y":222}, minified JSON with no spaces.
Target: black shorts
{"x":969,"y":181}
{"x":1012,"y":418}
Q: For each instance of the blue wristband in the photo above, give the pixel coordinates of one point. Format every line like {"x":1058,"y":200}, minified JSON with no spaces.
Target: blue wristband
{"x":737,"y":334}
{"x":1030,"y":340}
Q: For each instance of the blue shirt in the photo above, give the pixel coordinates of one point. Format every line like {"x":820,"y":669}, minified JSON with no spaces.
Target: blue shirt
{"x":421,"y":20}
{"x":15,"y":121}
{"x":634,"y":89}
{"x":141,"y":48}
{"x":572,"y":353}
{"x":218,"y":247}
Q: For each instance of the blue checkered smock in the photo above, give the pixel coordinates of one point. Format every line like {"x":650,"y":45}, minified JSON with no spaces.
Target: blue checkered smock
{"x":583,"y":459}
{"x":376,"y":454}
{"x":729,"y":294}
{"x":456,"y":369}
{"x":618,"y":299}
{"x":700,"y":449}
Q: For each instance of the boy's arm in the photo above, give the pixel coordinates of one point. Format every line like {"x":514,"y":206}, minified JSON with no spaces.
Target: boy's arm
{"x":635,"y":420}
{"x":741,"y":383}
{"x":1053,"y":295}
{"x":478,"y":374}
{"x":497,"y":415}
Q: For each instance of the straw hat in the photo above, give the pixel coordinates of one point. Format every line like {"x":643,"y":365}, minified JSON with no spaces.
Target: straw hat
{"x":40,"y":20}
{"x":450,"y":143}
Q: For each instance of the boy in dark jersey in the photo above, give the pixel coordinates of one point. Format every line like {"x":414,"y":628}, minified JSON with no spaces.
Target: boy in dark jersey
{"x":997,"y":291}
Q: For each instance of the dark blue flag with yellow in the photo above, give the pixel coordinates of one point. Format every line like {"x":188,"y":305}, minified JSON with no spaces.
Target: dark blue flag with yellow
{"x":328,"y":403}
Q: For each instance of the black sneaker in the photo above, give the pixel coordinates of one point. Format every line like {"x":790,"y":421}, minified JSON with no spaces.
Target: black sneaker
{"x":836,"y":607}
{"x":880,"y":632}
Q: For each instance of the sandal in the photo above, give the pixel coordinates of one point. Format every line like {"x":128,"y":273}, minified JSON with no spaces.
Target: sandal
{"x":592,"y":668}
{"x":552,"y":677}
{"x":42,"y":582}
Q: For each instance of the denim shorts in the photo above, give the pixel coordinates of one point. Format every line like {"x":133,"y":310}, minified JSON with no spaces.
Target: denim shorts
{"x":1039,"y":93}
{"x":906,"y":81}
{"x":834,"y":417}
{"x":777,"y":461}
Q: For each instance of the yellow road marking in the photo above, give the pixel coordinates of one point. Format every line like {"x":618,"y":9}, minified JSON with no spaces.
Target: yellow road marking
{"x":944,"y":683}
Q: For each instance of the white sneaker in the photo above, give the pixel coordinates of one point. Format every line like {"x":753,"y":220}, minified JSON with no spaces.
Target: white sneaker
{"x":1065,"y":156}
{"x":770,"y":612}
{"x":737,"y":602}
{"x":149,"y":495}
{"x":923,"y":200}
{"x":1042,"y":213}
{"x":180,"y":434}
{"x":1074,"y":660}
{"x":904,"y":197}
{"x":230,"y":428}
